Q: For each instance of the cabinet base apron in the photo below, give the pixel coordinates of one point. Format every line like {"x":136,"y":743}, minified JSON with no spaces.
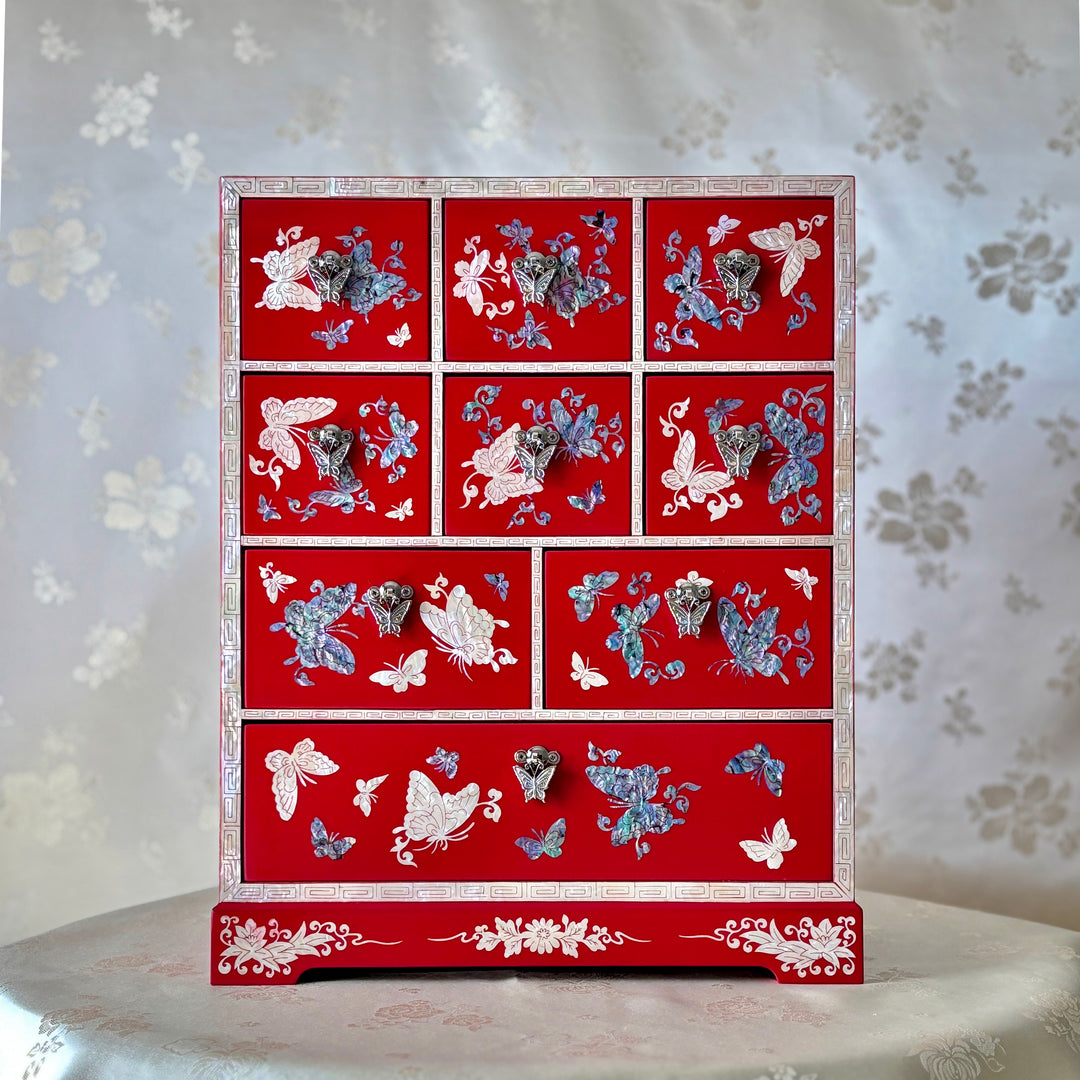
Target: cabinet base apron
{"x":268,"y":942}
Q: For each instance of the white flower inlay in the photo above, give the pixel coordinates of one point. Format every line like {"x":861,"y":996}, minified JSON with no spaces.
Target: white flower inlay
{"x":809,"y":947}
{"x":271,"y":950}
{"x":542,"y":936}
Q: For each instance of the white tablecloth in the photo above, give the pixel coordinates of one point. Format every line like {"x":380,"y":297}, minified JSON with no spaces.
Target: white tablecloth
{"x":950,"y":994}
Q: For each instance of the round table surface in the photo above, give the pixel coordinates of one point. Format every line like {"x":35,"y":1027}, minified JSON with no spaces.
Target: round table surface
{"x":949,"y":993}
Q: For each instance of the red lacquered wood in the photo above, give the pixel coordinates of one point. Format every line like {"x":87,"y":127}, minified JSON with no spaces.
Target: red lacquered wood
{"x":764,"y":335}
{"x":269,"y":682}
{"x":470,"y":460}
{"x":756,"y":516}
{"x":595,"y":335}
{"x":798,"y":942}
{"x":411,"y":492}
{"x":286,"y":334}
{"x":709,"y":681}
{"x":728,"y":808}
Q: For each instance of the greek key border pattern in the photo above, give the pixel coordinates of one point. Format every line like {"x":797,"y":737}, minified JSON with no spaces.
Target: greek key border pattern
{"x":840,"y":190}
{"x":421,"y":891}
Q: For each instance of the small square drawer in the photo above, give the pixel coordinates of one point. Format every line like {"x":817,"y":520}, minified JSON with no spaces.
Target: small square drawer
{"x":537,"y":455}
{"x":690,"y":628}
{"x":648,"y":802}
{"x":336,"y":455}
{"x":316,"y":638}
{"x":365,"y":297}
{"x":538,"y":279}
{"x":704,"y":432}
{"x":739,"y":279}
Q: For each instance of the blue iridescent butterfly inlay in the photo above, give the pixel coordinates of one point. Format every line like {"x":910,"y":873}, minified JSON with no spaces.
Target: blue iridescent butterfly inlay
{"x":694,"y":301}
{"x":749,"y":644}
{"x":309,"y":624}
{"x":632,"y":791}
{"x":760,"y":765}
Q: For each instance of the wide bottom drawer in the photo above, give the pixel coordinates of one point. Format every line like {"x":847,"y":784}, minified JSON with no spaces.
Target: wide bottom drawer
{"x":626,"y":801}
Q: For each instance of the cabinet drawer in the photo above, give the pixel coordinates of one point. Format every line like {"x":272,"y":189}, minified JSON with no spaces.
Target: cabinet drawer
{"x":611,"y":640}
{"x":465,"y":827}
{"x":689,"y":486}
{"x":382,"y":482}
{"x":311,"y":642}
{"x":575,"y":258}
{"x":688,"y":313}
{"x":583,"y":490}
{"x":379,"y":261}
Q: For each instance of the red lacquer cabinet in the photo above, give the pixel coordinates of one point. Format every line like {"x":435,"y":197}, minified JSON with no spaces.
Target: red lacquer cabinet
{"x":537,"y":575}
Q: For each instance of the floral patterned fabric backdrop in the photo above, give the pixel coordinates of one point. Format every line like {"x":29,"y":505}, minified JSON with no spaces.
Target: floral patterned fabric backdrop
{"x":959,"y":119}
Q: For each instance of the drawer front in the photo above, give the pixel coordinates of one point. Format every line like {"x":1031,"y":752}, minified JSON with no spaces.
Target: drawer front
{"x":611,"y":640}
{"x":371,"y":479}
{"x":378,"y":260}
{"x":538,"y":279}
{"x":696,"y":310}
{"x":411,"y":820}
{"x":690,"y":488}
{"x":492,"y":486}
{"x":311,"y":641}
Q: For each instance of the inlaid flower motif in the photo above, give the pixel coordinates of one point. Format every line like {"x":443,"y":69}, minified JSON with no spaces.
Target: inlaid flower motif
{"x":541,"y":936}
{"x":250,"y":940}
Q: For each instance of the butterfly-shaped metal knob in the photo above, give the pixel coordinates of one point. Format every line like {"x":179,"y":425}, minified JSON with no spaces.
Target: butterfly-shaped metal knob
{"x":737,"y":271}
{"x":329,"y":273}
{"x":534,"y":449}
{"x":534,"y":273}
{"x":737,"y":446}
{"x":534,"y":769}
{"x":329,"y":446}
{"x":389,"y":603}
{"x":688,"y":602}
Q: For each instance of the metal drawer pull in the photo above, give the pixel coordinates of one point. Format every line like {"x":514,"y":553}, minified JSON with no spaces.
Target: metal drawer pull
{"x":737,"y":446}
{"x":534,"y":769}
{"x":389,"y":603}
{"x":737,"y":271}
{"x":534,"y":449}
{"x":688,"y":602}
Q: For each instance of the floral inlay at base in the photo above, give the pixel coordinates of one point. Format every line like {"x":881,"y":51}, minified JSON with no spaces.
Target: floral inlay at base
{"x":542,"y":936}
{"x":808,"y":947}
{"x":270,"y":950}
